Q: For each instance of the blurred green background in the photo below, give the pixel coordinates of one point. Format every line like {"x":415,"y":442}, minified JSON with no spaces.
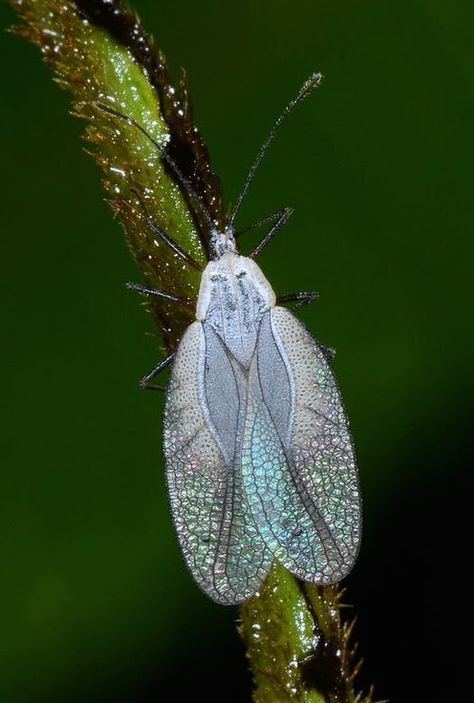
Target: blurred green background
{"x":96,"y":601}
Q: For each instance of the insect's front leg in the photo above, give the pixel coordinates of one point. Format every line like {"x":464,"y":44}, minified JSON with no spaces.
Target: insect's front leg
{"x":145,"y":381}
{"x":160,"y":234}
{"x":281,"y":217}
{"x":146,"y":290}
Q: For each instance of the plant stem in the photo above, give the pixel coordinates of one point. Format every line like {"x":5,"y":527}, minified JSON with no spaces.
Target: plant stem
{"x":296,"y":643}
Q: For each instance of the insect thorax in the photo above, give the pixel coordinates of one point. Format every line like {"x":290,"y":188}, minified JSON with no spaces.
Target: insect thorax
{"x":233,"y":297}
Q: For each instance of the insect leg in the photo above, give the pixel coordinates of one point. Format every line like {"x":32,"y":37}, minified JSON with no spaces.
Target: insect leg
{"x":301,"y":298}
{"x":145,"y":290}
{"x":164,"y":237}
{"x":185,"y":184}
{"x":259,"y":223}
{"x":145,"y":381}
{"x":283,"y":216}
{"x":329,"y":352}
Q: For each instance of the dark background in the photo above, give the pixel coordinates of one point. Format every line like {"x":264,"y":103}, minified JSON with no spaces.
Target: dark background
{"x":96,"y":602}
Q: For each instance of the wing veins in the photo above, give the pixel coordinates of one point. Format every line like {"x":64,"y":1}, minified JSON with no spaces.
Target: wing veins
{"x":302,"y":490}
{"x":230,"y":483}
{"x":318,"y":412}
{"x":191,"y":438}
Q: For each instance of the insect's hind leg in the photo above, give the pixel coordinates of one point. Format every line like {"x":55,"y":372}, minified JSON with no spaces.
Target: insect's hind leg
{"x":329,"y":352}
{"x":301,"y":298}
{"x":145,"y":381}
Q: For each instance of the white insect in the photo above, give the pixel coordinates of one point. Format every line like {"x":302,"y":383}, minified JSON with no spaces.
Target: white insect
{"x":259,"y":461}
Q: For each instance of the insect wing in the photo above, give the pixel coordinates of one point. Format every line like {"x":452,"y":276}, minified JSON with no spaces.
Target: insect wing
{"x":298,"y":462}
{"x":205,"y":409}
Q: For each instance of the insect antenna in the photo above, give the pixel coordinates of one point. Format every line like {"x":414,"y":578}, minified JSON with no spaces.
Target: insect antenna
{"x":184,"y":182}
{"x":312,"y":82}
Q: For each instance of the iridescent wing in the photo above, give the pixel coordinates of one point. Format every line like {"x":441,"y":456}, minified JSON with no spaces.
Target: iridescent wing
{"x":297,"y":459}
{"x":204,"y":417}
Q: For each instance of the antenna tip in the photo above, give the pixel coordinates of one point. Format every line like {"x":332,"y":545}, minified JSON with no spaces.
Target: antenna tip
{"x":312,"y":82}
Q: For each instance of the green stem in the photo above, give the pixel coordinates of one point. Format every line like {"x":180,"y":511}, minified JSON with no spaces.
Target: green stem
{"x":296,"y":644}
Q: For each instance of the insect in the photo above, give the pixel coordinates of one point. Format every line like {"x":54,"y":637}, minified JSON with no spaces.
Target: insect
{"x":259,"y":460}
